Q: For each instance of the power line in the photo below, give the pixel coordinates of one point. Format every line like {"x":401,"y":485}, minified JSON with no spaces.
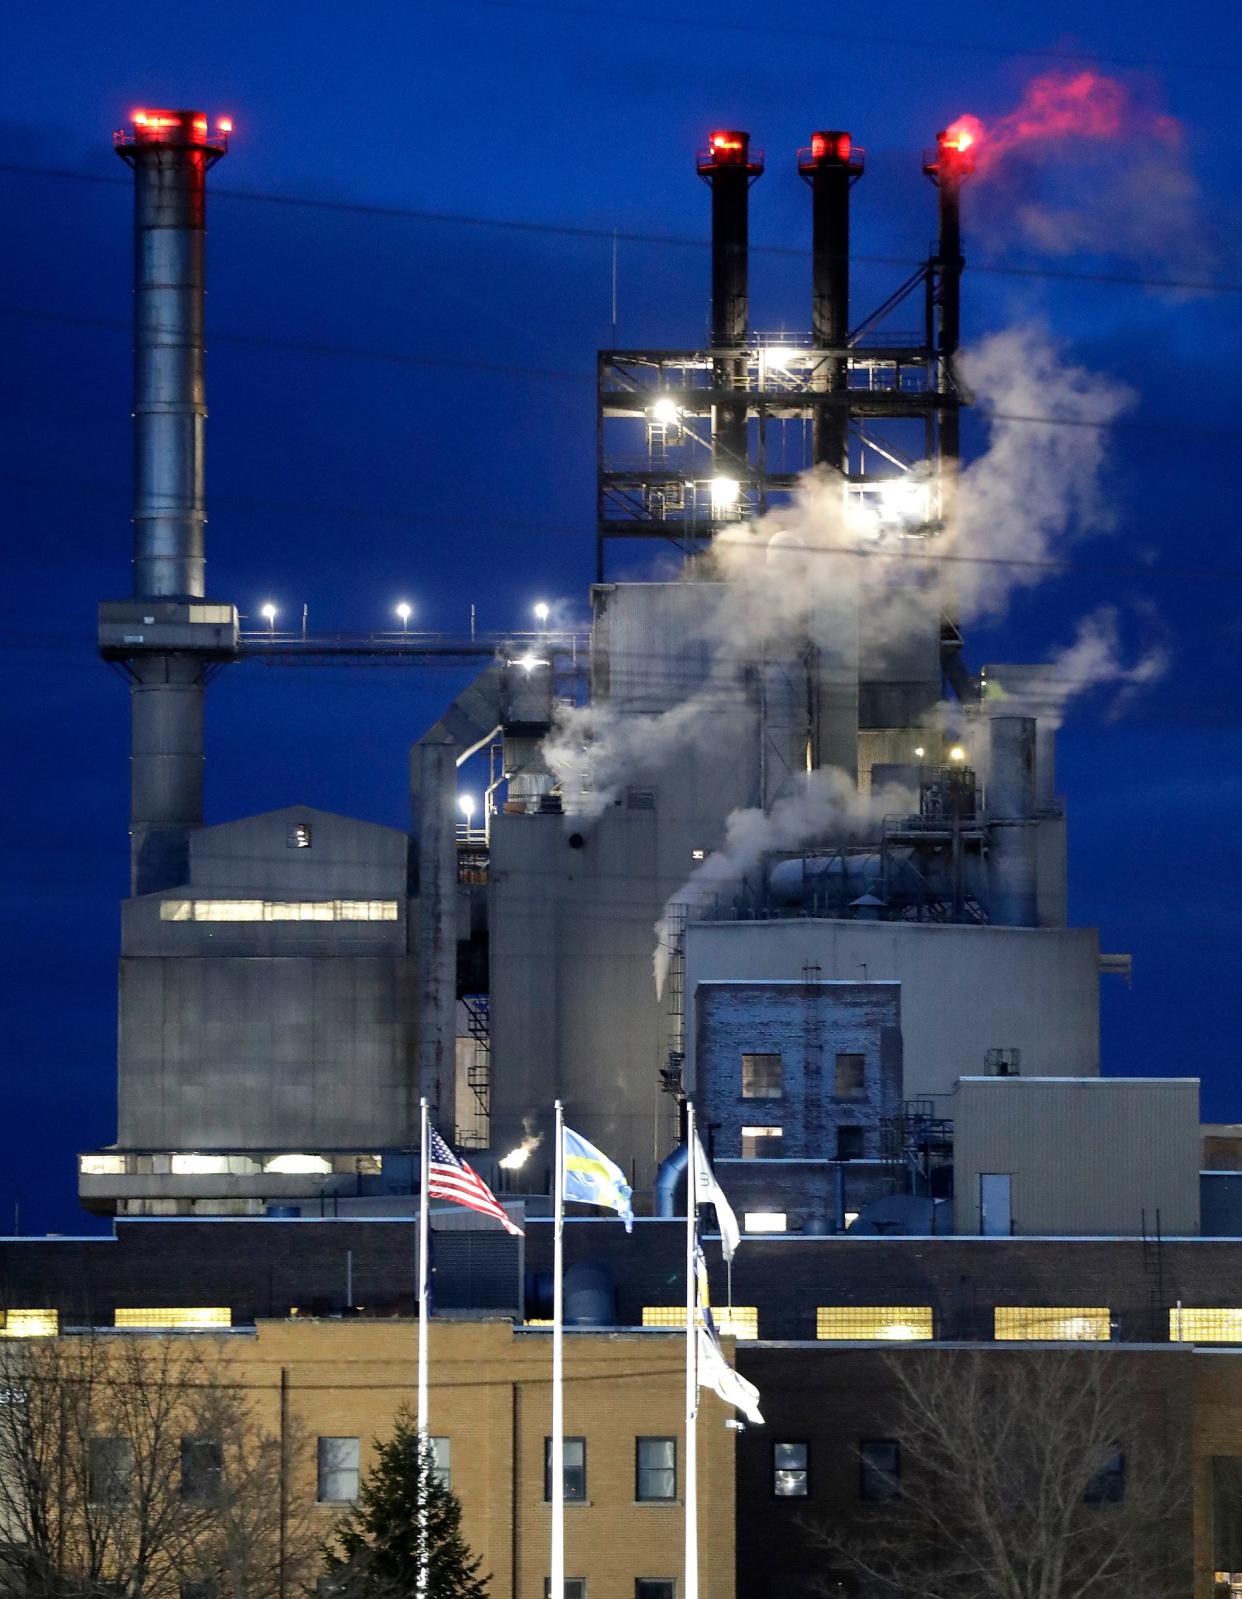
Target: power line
{"x":624,"y":236}
{"x":319,"y":348}
{"x":717,"y":24}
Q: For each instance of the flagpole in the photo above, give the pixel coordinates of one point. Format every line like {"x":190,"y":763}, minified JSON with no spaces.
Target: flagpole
{"x":556,"y":1585}
{"x":424,"y":1233}
{"x":691,"y":1469}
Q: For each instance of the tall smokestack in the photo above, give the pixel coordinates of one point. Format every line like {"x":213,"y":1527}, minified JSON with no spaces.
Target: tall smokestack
{"x":831,"y":165}
{"x":729,"y":169}
{"x":951,"y":162}
{"x":170,"y":154}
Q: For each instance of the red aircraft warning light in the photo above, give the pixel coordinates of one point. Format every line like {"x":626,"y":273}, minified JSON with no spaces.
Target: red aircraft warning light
{"x":957,"y":149}
{"x":728,"y":147}
{"x":831,"y":151}
{"x":174,"y":129}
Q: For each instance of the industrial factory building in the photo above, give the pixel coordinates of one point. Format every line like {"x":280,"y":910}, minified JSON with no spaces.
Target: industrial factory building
{"x":762,"y":837}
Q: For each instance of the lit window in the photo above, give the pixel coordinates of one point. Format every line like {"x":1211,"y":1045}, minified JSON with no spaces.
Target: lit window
{"x":442,"y":1461}
{"x":762,"y":1143}
{"x":282,"y":910}
{"x":102,"y":1165}
{"x":30,"y":1324}
{"x":202,"y":1470}
{"x":762,"y":1077}
{"x":1194,"y":1326}
{"x":338,"y":1464}
{"x":299,"y":836}
{"x":851,"y":1216}
{"x":739,"y":1321}
{"x":898,"y":1323}
{"x":214,"y":614}
{"x":199,"y":1165}
{"x":176,"y":1316}
{"x":791,"y":1471}
{"x":1069,"y":1324}
{"x":698,"y":854}
{"x":849,"y":1077}
{"x":655,"y":1468}
{"x":764,"y":1221}
{"x":574,"y":1468}
{"x":297,"y":1165}
{"x":879,"y":1470}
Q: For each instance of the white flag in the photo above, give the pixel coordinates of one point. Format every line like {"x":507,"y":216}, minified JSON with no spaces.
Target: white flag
{"x":707,"y":1191}
{"x":716,"y":1373}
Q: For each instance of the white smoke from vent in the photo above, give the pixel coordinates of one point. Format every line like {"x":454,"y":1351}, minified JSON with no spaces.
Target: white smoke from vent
{"x":1098,"y":658}
{"x":827,"y":810}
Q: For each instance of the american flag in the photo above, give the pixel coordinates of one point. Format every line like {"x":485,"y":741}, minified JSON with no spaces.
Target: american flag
{"x":450,"y":1178}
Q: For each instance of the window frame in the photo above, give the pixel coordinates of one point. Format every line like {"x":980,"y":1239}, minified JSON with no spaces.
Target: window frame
{"x":861,"y":1091}
{"x":760,"y":1139}
{"x":750,"y":1055}
{"x":576,"y":1584}
{"x":872,"y":1475}
{"x":322,"y":1471}
{"x":122,"y":1484}
{"x":213,"y":1476}
{"x":641,"y":1498}
{"x":805,"y":1469}
{"x":570,"y":1498}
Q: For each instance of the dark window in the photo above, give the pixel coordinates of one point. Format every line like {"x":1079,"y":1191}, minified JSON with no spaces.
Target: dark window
{"x":200,"y":1588}
{"x":202,"y":1468}
{"x":879,"y":1470}
{"x":791,"y":1470}
{"x":850,"y":1143}
{"x":1108,"y":1486}
{"x":338,"y":1465}
{"x":575,"y":1588}
{"x":574,"y":1466}
{"x":655,"y":1588}
{"x":110,"y":1469}
{"x":763,"y":1077}
{"x":655,"y":1468}
{"x":850,"y":1083}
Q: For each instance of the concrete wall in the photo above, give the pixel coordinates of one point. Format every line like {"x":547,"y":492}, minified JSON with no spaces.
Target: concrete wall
{"x":807,"y":1025}
{"x":964,"y":990}
{"x":276,"y":1034}
{"x":257,"y":1053}
{"x":1102,"y":1156}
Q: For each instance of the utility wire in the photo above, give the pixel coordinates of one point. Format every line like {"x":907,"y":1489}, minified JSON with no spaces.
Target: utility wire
{"x":718,"y":24}
{"x":623,"y":236}
{"x":346,"y":352}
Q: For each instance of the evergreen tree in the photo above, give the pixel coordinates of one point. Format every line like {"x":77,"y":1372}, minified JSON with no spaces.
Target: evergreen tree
{"x":375,"y":1555}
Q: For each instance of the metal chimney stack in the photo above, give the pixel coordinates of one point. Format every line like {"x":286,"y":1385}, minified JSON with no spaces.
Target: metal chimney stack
{"x":948,"y":166}
{"x":729,"y":168}
{"x":831,"y":165}
{"x":166,"y":642}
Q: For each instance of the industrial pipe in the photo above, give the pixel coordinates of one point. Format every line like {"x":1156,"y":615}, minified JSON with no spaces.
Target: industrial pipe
{"x":729,"y":168}
{"x":831,"y":165}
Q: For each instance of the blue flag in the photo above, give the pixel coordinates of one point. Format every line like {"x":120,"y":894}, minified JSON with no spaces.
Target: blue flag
{"x":589,"y":1176}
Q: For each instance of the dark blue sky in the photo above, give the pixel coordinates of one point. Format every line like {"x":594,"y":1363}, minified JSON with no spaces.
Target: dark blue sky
{"x":345,"y":482}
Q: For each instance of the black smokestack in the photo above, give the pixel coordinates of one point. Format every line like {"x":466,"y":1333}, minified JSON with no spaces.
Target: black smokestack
{"x":729,"y":169}
{"x":831,"y":165}
{"x":948,"y":165}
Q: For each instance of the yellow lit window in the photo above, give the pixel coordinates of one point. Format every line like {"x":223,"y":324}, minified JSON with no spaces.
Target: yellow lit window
{"x":900,"y":1323}
{"x":102,"y":1165}
{"x":1068,"y":1324}
{"x":176,"y":1316}
{"x":279,"y":910}
{"x":30,"y":1324}
{"x":740,"y":1322}
{"x":1195,"y":1326}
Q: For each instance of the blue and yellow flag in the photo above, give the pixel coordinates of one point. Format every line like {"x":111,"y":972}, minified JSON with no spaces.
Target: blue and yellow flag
{"x":594,"y":1179}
